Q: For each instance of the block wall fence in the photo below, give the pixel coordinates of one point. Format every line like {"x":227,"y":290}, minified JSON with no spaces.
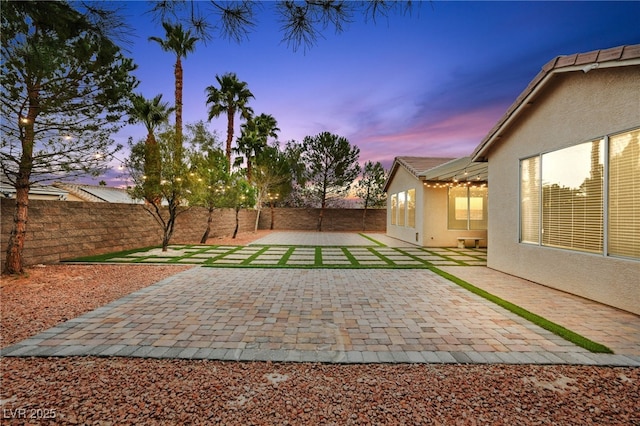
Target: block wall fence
{"x":60,"y":230}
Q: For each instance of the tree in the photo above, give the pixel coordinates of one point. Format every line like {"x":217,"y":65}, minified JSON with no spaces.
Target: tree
{"x":254,"y":138}
{"x":208,"y":173}
{"x":151,"y":113}
{"x":180,"y":43}
{"x":332,"y":166}
{"x":232,"y":97}
{"x":237,"y":194}
{"x":302,"y":22}
{"x":65,"y":87}
{"x":272,"y":180}
{"x":371,"y":188}
{"x":169,"y":194}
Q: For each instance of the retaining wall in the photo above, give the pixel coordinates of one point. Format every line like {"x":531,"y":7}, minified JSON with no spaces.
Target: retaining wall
{"x":59,"y":230}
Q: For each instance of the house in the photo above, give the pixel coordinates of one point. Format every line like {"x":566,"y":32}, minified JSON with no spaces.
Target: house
{"x":96,"y":193}
{"x":36,"y":191}
{"x":437,"y":202}
{"x":564,"y":171}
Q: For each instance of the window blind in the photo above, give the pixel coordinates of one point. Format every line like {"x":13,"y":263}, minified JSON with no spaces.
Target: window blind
{"x":530,"y":200}
{"x":624,"y":195}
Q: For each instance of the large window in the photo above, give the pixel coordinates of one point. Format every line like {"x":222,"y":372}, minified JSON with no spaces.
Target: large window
{"x":467,"y":208}
{"x":411,"y":208}
{"x":530,"y":200}
{"x":624,"y":195}
{"x":403,"y":208}
{"x":394,"y":209}
{"x":563,"y":199}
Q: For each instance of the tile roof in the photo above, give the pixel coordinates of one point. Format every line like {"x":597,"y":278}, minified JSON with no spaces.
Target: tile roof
{"x":414,"y":165}
{"x":98,"y":194}
{"x":7,"y":190}
{"x":584,"y":62}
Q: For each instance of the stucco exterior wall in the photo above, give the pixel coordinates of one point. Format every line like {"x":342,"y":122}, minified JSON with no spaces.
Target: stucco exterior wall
{"x":575,"y":107}
{"x":431,"y":228}
{"x":402,"y":181}
{"x":436,"y":228}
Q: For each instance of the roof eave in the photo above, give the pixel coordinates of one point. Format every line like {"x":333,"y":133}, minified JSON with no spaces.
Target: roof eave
{"x":536,"y":85}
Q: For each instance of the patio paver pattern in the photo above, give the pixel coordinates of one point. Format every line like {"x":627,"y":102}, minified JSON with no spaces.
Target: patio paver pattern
{"x":319,"y":315}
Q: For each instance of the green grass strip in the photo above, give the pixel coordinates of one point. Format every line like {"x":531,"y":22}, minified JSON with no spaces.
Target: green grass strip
{"x":350,"y":256}
{"x":382,"y":256}
{"x":107,"y":256}
{"x":221,"y":255}
{"x":556,"y":329}
{"x":285,"y":257}
{"x":317,"y":260}
{"x":378,"y":243}
{"x":251,"y":258}
{"x":416,"y":258}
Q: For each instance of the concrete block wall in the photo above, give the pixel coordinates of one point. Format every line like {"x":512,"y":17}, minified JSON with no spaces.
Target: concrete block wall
{"x":335,"y":220}
{"x":59,"y":230}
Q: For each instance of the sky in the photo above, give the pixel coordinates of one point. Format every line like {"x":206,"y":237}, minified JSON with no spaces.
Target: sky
{"x":432,"y":83}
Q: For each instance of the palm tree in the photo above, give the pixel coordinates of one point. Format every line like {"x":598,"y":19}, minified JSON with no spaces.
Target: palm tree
{"x":232,"y":97}
{"x":151,"y":113}
{"x":253,"y":140}
{"x":181,"y":43}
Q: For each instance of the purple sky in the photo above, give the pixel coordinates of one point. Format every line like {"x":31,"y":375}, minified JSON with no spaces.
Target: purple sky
{"x":429,"y":84}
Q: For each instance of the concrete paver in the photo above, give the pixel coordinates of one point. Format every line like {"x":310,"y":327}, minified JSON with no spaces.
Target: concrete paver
{"x":338,"y":315}
{"x":308,"y":315}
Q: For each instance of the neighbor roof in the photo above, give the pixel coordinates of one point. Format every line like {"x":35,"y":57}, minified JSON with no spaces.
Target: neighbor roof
{"x":414,"y":165}
{"x":9,"y":191}
{"x":585,"y":62}
{"x":98,"y":194}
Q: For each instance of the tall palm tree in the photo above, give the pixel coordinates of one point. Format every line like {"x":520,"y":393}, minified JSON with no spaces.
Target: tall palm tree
{"x":254,"y":137}
{"x":151,"y":113}
{"x":180,"y":43}
{"x":232,"y":97}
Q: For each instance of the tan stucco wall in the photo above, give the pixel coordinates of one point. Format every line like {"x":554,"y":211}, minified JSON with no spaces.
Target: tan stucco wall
{"x":431,"y":215}
{"x":575,"y":108}
{"x":402,"y":181}
{"x":436,"y":232}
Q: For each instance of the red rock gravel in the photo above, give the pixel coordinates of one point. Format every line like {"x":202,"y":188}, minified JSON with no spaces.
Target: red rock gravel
{"x":122,"y":391}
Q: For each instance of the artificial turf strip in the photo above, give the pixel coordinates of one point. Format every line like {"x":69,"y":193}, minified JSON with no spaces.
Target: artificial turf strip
{"x":348,"y":255}
{"x":556,"y":329}
{"x":378,"y":243}
{"x":105,"y":257}
{"x":285,"y":257}
{"x":317,"y":260}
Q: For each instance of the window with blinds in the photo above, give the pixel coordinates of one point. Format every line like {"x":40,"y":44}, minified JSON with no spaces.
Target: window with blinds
{"x":411,"y":208}
{"x":394,"y":208}
{"x":401,"y":208}
{"x":563,"y":200}
{"x":467,"y":208}
{"x":624,"y":195}
{"x":530,"y":200}
{"x":572,"y":197}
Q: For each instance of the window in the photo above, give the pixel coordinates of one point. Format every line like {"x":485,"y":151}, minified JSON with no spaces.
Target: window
{"x":624,"y":195}
{"x":530,"y":200}
{"x":563,"y":200}
{"x":401,"y":208}
{"x":467,"y":208}
{"x":394,"y":208}
{"x":411,"y":208}
{"x":572,"y":186}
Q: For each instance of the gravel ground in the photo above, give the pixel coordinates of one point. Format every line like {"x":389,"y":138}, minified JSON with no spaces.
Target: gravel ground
{"x":123,"y":391}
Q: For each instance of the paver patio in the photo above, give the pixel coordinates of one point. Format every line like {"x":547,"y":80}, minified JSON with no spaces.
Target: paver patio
{"x":328,"y":315}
